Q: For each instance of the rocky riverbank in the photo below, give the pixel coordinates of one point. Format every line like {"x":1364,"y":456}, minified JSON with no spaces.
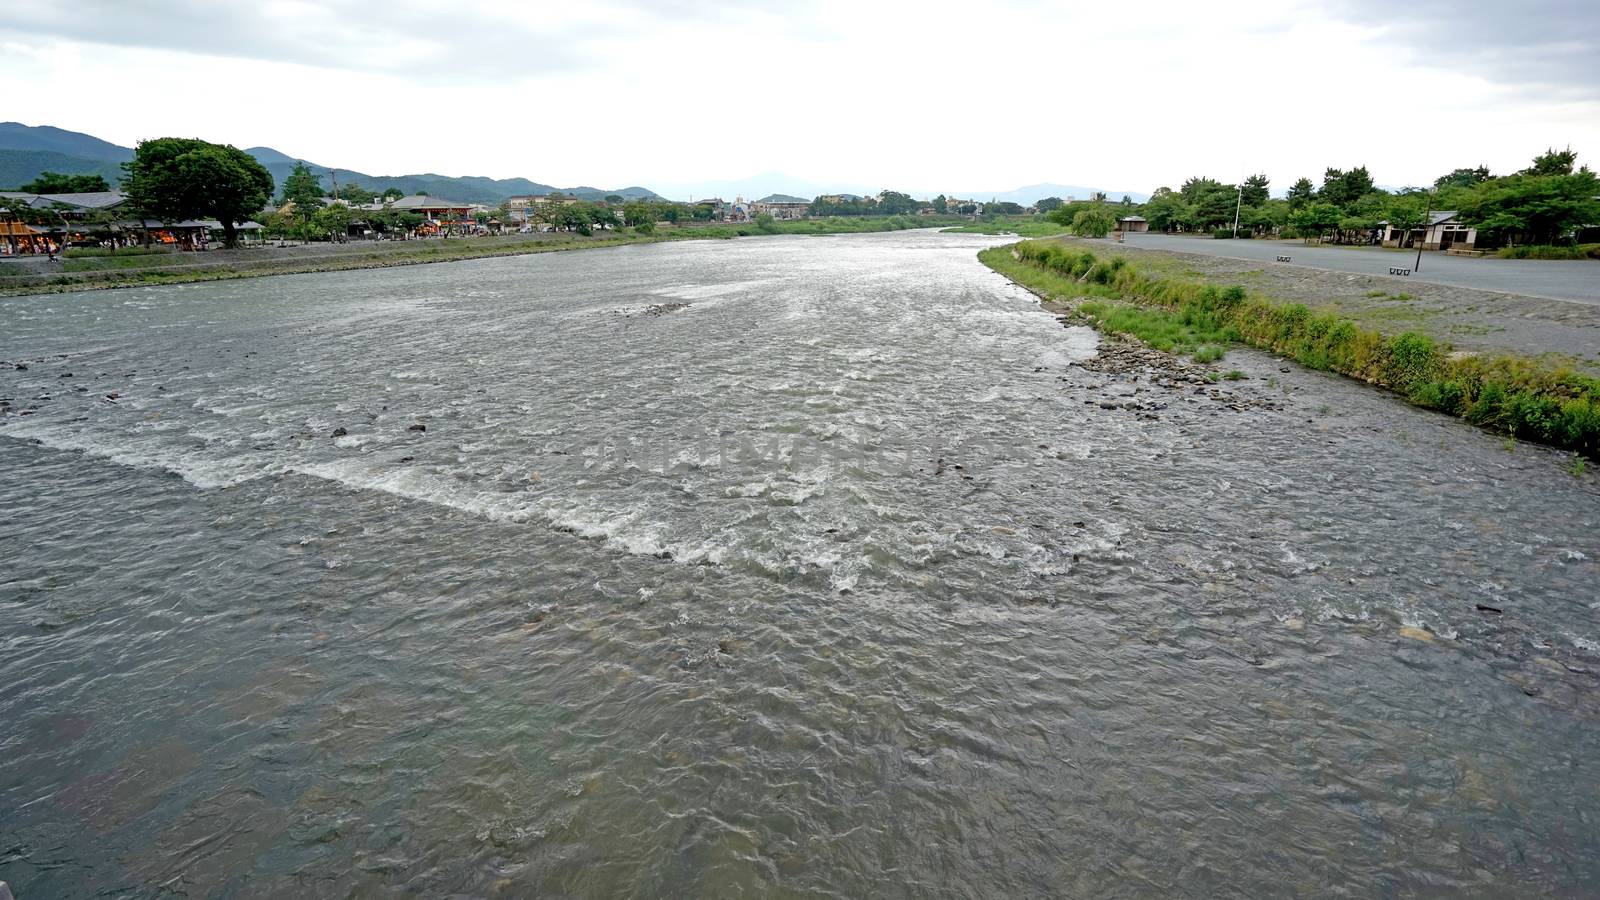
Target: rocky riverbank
{"x":1473,"y":320}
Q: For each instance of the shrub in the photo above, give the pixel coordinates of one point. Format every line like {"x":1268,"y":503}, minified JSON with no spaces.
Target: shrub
{"x":1222,"y":233}
{"x":1542,"y":251}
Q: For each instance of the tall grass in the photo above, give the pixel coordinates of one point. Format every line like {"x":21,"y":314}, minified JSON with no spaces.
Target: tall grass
{"x":1526,"y":398}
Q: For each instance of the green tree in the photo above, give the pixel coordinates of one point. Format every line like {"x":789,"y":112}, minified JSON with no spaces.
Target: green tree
{"x":941,"y":204}
{"x":1553,"y":162}
{"x":355,"y":193}
{"x":57,"y":183}
{"x":1266,"y":218}
{"x":1533,"y":209}
{"x":614,"y":199}
{"x":1047,"y":205}
{"x":638,"y":213}
{"x":1406,"y":213}
{"x":1256,"y":190}
{"x":1301,"y":193}
{"x":185,"y":178}
{"x":333,"y":221}
{"x":1096,"y":221}
{"x":304,"y":190}
{"x":1462,"y":178}
{"x":1343,"y":189}
{"x":1166,"y":210}
{"x":1315,"y":219}
{"x":895,"y":203}
{"x":389,"y":195}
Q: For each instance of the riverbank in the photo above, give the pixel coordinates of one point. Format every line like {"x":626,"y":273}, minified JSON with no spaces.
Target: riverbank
{"x":21,"y":277}
{"x":1530,"y":398}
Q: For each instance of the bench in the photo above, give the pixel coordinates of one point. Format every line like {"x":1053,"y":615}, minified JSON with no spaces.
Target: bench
{"x":1283,"y":259}
{"x":1396,"y":270}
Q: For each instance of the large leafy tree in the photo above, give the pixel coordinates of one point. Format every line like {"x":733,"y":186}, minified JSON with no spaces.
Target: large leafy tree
{"x":1210,"y":202}
{"x":1406,"y":213}
{"x":57,"y":183}
{"x":186,"y":178}
{"x":1315,"y":219}
{"x":1166,"y":210}
{"x":896,"y":203}
{"x":1095,"y":221}
{"x":1534,"y":209}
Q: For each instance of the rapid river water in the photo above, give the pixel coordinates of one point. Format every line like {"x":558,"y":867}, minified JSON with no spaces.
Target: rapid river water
{"x":777,"y":567}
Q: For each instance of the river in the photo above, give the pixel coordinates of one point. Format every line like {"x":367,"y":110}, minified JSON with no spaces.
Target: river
{"x":782,"y":566}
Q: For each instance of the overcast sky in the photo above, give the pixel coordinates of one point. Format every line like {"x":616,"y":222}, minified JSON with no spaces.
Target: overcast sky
{"x":676,"y":94}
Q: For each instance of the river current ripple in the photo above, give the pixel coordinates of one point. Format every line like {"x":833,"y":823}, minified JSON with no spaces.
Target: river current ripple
{"x":789,"y":566}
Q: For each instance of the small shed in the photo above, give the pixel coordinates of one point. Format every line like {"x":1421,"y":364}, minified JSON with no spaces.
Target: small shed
{"x":1133,"y":223}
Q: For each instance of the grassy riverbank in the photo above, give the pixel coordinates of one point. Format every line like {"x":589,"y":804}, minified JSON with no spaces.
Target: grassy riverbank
{"x":89,"y":271}
{"x":1022,"y":226}
{"x":1527,"y":398}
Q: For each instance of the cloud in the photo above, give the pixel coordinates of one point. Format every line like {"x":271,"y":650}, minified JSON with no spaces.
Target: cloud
{"x":444,"y":42}
{"x":1552,"y":46}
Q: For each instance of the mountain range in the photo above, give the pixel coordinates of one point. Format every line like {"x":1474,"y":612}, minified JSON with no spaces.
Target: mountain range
{"x":28,"y":150}
{"x":779,"y":183}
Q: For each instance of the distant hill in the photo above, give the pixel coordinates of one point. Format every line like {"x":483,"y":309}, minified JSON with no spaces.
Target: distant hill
{"x":17,"y":136}
{"x":782,"y":198}
{"x":1033,"y":193}
{"x":466,"y":188}
{"x":18,"y":167}
{"x":27,"y":150}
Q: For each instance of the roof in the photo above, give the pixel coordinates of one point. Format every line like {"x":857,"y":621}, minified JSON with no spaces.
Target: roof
{"x":1132,"y":219}
{"x":89,"y":200}
{"x":1442,"y":216}
{"x":423,"y":201}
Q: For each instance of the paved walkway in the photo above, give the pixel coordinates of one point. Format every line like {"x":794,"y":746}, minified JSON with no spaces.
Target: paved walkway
{"x":1577,"y":281}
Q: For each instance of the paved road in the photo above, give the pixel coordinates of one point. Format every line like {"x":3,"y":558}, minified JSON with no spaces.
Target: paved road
{"x":1573,"y":280}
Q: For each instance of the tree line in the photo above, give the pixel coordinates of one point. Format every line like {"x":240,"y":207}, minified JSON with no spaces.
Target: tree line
{"x":1544,"y":203}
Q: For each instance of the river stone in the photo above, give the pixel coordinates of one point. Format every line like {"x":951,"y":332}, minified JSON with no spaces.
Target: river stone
{"x":1416,"y":634}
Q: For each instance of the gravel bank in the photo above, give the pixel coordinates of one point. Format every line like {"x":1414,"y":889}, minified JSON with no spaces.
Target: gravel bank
{"x":1477,"y":320}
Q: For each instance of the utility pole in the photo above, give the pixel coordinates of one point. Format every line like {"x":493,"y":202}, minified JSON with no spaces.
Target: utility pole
{"x":1425,"y":217}
{"x":1238,"y":204}
{"x":334,"y":174}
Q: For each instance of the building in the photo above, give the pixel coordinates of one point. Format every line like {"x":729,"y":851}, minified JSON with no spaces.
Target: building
{"x":717,"y":206}
{"x":1444,"y":230}
{"x":438,"y":215}
{"x":780,"y":206}
{"x":98,"y":217}
{"x":1133,"y":223}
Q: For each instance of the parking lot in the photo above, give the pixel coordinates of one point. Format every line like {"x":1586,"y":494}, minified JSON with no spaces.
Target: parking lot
{"x":1573,"y":280}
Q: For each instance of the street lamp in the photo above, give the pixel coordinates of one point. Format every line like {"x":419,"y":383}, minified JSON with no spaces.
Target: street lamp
{"x":1237,"y":205}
